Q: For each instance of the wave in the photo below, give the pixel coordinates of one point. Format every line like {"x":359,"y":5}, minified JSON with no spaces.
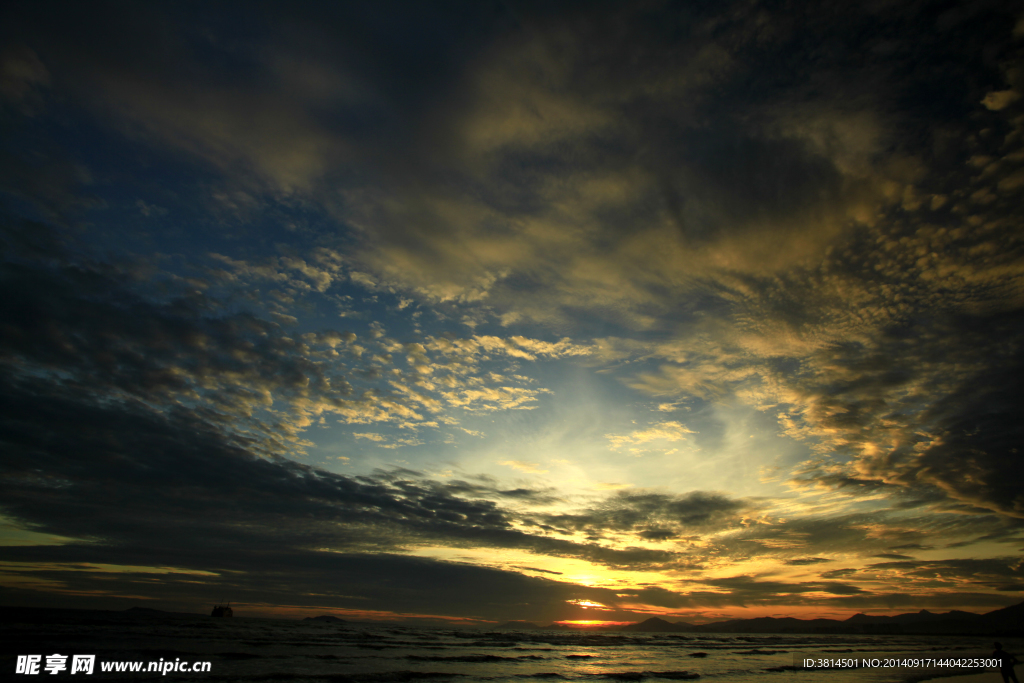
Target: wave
{"x":472,"y":658}
{"x":641,"y":675}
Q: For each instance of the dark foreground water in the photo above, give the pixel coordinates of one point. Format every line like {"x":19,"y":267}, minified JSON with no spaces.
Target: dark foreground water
{"x":242,"y":649}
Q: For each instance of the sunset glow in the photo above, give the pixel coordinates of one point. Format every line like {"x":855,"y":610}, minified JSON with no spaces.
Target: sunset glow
{"x":530,"y":313}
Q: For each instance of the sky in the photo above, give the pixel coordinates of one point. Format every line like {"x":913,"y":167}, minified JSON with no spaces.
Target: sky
{"x":489,"y":311}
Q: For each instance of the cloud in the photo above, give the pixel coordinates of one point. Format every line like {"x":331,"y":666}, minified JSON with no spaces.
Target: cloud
{"x":96,"y":326}
{"x":995,"y":572}
{"x":113,"y":329}
{"x":750,"y":589}
{"x":21,"y":72}
{"x":657,"y":515}
{"x":318,"y":276}
{"x":720,"y":213}
{"x":998,"y":100}
{"x":959,"y":445}
{"x":529,"y":349}
{"x":748,"y":181}
{"x":661,"y":431}
{"x":805,"y":561}
{"x":162,"y":394}
{"x":491,"y":399}
{"x":369,"y":436}
{"x":194,"y":489}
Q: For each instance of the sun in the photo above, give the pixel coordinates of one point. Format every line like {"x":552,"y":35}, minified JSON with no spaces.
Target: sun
{"x":591,"y":623}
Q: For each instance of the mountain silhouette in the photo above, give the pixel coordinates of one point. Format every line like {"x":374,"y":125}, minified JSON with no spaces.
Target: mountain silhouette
{"x":1008,"y":621}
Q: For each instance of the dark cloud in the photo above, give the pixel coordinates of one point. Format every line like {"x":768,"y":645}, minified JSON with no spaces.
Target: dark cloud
{"x":981,"y":602}
{"x":133,"y":329}
{"x":804,"y":561}
{"x":141,"y":487}
{"x":543,"y":571}
{"x":190,"y":483}
{"x":964,"y":446}
{"x":838,"y":573}
{"x":656,"y":534}
{"x":91,"y":321}
{"x":487,"y":487}
{"x":395,"y":584}
{"x":840,"y":537}
{"x":21,"y":72}
{"x":978,"y":457}
{"x":747,"y":590}
{"x":995,"y":572}
{"x":280,"y":98}
{"x":670,"y":515}
{"x":734,"y":130}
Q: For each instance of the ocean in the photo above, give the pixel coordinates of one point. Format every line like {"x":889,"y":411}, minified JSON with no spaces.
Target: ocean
{"x":287,"y":651}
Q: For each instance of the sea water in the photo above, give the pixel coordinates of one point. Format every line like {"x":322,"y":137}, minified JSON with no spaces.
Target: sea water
{"x":285,"y":651}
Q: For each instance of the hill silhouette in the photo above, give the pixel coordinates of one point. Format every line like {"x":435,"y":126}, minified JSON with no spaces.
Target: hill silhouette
{"x":656,"y":624}
{"x":1008,"y":621}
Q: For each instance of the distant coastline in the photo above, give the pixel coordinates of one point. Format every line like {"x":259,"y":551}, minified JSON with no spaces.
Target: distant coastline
{"x":1005,"y":622}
